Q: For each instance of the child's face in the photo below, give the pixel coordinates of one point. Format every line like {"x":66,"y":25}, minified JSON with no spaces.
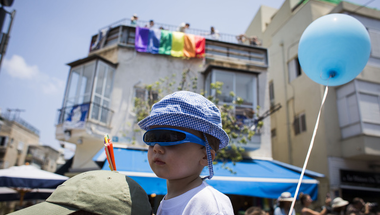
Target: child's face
{"x":178,"y":161}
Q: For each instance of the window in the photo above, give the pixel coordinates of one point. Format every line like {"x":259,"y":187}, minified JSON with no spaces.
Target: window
{"x":242,"y":85}
{"x":375,"y":42}
{"x":80,"y":85}
{"x":101,"y":97}
{"x":273,"y":133}
{"x":358,"y":104}
{"x":294,"y":69}
{"x":300,"y":124}
{"x":3,"y":141}
{"x":144,"y":94}
{"x":20,"y":146}
{"x":271,"y":93}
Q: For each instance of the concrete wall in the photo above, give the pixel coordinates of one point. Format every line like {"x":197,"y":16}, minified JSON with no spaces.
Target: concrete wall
{"x":18,"y":137}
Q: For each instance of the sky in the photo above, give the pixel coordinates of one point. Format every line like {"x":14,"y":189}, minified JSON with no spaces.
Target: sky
{"x":46,"y":35}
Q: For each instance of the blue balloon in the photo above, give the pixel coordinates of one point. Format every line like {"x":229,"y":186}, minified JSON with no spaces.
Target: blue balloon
{"x":334,"y":49}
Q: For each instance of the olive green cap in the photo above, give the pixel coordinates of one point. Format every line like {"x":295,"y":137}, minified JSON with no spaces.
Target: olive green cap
{"x":100,"y":192}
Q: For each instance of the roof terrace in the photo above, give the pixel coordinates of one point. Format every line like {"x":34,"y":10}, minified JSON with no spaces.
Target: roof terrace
{"x":224,"y":46}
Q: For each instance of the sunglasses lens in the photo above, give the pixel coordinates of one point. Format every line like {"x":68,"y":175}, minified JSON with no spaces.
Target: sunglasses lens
{"x":163,"y":136}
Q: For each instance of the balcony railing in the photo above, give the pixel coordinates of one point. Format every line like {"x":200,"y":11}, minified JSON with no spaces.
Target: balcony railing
{"x":123,"y":32}
{"x":230,"y":38}
{"x":76,"y":116}
{"x":226,"y":46}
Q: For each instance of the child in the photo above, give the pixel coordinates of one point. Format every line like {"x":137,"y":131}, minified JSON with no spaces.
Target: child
{"x":184,"y":130}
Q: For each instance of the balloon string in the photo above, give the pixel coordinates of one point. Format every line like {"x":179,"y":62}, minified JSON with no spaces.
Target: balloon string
{"x":309,"y":151}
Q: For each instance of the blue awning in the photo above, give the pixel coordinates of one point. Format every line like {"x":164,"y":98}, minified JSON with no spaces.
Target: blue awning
{"x":260,"y":178}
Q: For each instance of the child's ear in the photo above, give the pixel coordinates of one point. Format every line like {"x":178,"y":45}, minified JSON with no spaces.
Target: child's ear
{"x":204,"y":158}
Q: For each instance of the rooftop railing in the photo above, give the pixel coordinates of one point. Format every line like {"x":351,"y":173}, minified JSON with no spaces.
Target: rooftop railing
{"x":230,"y":38}
{"x":16,"y":118}
{"x":226,"y":46}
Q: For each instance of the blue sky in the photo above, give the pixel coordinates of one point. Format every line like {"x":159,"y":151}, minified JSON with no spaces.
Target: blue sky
{"x":46,"y":35}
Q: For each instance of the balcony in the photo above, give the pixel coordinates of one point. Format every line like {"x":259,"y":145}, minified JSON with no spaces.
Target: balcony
{"x":226,"y":48}
{"x":84,"y":120}
{"x":359,"y":119}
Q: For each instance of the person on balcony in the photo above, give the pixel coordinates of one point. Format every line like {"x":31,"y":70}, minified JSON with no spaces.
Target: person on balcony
{"x":254,"y":41}
{"x":134,"y":20}
{"x":150,"y":25}
{"x":183,"y":27}
{"x":241,"y":38}
{"x":214,"y":34}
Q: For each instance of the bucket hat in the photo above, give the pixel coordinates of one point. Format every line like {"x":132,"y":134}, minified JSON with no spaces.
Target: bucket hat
{"x":285,"y":197}
{"x":189,"y":110}
{"x":99,"y":192}
{"x":339,"y":202}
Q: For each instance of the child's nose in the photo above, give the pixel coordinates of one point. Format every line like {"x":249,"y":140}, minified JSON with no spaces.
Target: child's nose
{"x":158,"y":149}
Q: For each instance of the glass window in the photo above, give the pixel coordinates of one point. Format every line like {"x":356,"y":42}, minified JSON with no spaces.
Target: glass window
{"x":227,"y":78}
{"x":375,"y":42}
{"x":241,"y":84}
{"x":108,"y":87}
{"x":294,"y":69}
{"x":86,"y":83}
{"x":244,"y":88}
{"x":100,"y":79}
{"x":102,"y":97}
{"x":72,"y":87}
{"x":300,"y":124}
{"x":271,"y":93}
{"x":80,"y":85}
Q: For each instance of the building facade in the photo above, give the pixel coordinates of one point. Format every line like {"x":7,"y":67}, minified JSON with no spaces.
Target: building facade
{"x":15,"y":137}
{"x":102,"y":87}
{"x":347,"y":144}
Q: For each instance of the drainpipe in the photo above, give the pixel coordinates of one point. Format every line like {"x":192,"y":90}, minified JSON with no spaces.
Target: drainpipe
{"x":290,"y":152}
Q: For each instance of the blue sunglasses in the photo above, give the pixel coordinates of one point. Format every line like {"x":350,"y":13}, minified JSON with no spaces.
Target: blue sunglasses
{"x":170,"y":137}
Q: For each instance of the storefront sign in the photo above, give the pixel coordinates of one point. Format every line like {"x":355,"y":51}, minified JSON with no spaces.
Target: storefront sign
{"x":356,"y":177}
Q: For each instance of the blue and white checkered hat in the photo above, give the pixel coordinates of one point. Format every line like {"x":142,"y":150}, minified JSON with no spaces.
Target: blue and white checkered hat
{"x":188,"y":110}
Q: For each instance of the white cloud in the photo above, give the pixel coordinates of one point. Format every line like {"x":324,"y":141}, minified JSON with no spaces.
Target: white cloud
{"x":52,"y":85}
{"x":18,"y":68}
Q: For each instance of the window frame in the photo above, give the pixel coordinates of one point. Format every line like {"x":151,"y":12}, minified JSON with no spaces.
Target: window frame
{"x":102,"y":97}
{"x":211,"y":78}
{"x":299,"y":124}
{"x":374,"y":35}
{"x":78,"y":85}
{"x":294,"y":74}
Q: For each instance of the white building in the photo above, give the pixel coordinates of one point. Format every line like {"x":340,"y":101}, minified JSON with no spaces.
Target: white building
{"x":347,"y":145}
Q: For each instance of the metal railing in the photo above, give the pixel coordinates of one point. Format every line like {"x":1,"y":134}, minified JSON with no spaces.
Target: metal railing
{"x":125,"y":35}
{"x":95,"y":113}
{"x":16,"y":118}
{"x":230,"y":38}
{"x":123,"y":32}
